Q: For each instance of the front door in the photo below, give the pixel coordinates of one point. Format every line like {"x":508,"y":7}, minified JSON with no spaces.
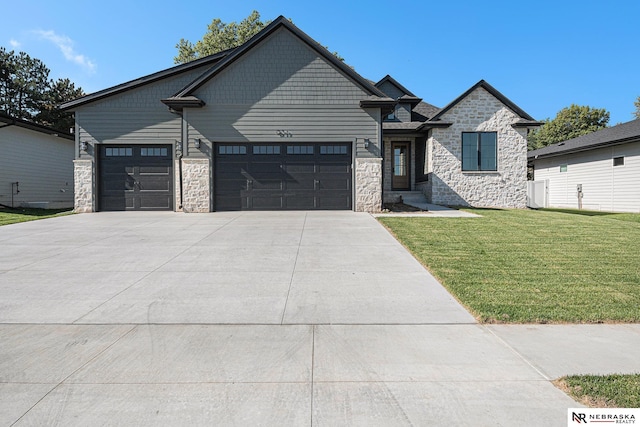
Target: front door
{"x":400,"y":162}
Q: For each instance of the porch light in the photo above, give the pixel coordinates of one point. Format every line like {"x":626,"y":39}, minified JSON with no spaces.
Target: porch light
{"x":83,"y":145}
{"x":178,"y":146}
{"x":197,"y":143}
{"x":366,"y":143}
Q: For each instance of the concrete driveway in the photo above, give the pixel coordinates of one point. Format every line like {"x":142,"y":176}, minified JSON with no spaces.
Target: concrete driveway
{"x":260,"y":318}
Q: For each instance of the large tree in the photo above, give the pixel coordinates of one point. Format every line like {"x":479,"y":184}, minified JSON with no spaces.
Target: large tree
{"x":570,"y":122}
{"x":220,"y":36}
{"x":23,"y":82}
{"x":27,"y":93}
{"x":61,"y":90}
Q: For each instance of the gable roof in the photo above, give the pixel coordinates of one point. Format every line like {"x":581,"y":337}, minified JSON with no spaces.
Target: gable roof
{"x":493,"y":91}
{"x":280,"y":22}
{"x":151,"y":78}
{"x":12,"y":121}
{"x":619,"y":134}
{"x":397,"y":84}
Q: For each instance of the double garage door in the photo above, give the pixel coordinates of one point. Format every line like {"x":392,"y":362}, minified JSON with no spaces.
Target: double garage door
{"x":246,"y":177}
{"x":282,"y":176}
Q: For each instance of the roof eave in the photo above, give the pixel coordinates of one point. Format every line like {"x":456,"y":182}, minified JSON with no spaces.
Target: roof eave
{"x":431,"y":125}
{"x":178,"y":104}
{"x":141,"y":81}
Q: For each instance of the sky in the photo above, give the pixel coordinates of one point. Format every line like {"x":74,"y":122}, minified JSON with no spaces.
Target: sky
{"x":543,"y":55}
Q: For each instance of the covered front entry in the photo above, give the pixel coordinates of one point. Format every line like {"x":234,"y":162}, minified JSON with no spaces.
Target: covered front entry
{"x":400,"y":162}
{"x":135,"y":177}
{"x":290,"y":176}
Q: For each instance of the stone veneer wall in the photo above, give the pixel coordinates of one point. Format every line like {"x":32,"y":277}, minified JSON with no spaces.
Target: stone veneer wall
{"x":196,"y":185}
{"x":368,"y":185}
{"x":83,"y":186}
{"x":479,"y":112}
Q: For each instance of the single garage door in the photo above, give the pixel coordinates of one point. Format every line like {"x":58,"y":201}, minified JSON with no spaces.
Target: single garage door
{"x":282,"y":176}
{"x":135,"y":177}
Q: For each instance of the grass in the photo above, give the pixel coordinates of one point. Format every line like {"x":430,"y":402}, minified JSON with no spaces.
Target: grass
{"x":12,"y":216}
{"x":523,"y":266}
{"x":609,"y":391}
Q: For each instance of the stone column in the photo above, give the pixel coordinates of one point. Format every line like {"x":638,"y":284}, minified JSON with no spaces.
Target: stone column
{"x":368,"y":185}
{"x":196,"y":185}
{"x":83,"y":185}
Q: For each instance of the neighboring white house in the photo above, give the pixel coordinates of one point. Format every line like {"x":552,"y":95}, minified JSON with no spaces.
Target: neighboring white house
{"x":604,"y":165}
{"x":36,"y":165}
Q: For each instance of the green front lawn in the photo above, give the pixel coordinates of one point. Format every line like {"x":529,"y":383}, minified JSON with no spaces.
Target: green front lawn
{"x":12,"y":216}
{"x":609,"y":391}
{"x":522,"y":266}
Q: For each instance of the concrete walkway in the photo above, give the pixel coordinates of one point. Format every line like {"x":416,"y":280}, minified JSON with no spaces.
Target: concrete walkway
{"x":277,"y":319}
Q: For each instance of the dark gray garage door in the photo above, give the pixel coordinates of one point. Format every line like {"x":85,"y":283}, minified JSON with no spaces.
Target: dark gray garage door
{"x":135,"y":177}
{"x":282,"y":176}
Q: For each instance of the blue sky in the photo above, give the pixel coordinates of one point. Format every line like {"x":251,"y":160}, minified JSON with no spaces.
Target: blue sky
{"x":543,"y":55}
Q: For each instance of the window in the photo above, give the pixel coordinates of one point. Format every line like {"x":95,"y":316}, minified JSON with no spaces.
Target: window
{"x":153,"y":152}
{"x":479,"y":151}
{"x":563,"y":168}
{"x":299,"y":149}
{"x":118,"y":152}
{"x":232,"y":149}
{"x":618,"y":161}
{"x":333,"y":149}
{"x":266,"y":149}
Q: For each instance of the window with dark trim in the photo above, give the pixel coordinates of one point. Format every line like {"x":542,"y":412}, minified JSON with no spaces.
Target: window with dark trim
{"x":299,"y":149}
{"x":266,"y":149}
{"x":153,"y":152}
{"x":232,"y":149}
{"x":618,"y":161}
{"x":479,"y":151}
{"x":422,"y":173}
{"x":118,"y":152}
{"x":563,"y":168}
{"x":333,"y":149}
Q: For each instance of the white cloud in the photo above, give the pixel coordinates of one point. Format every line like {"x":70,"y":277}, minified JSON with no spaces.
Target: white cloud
{"x":14,"y":43}
{"x":65,"y":44}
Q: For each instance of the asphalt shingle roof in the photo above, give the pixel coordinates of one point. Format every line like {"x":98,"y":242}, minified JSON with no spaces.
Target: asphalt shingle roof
{"x":624,"y":132}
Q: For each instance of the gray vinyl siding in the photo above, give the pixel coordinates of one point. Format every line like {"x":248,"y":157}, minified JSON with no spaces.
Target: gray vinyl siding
{"x":403,"y":112}
{"x":391,"y":90}
{"x":605,"y":187}
{"x":41,"y":163}
{"x":136,"y":116}
{"x":283,"y":85}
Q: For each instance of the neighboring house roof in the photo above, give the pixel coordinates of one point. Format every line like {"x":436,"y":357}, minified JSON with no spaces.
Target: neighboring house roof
{"x":278,"y":23}
{"x":151,"y":78}
{"x":6,"y":121}
{"x":493,"y":91}
{"x":619,"y":134}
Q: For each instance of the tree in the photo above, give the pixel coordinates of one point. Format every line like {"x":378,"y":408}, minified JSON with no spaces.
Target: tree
{"x":27,"y":93}
{"x":24,"y":80}
{"x":570,"y":122}
{"x":59,"y":91}
{"x":636,"y":113}
{"x":220,"y":36}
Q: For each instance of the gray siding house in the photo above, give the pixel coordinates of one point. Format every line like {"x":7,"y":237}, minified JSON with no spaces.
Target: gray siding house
{"x":280,"y":123}
{"x":36,"y":165}
{"x":604,"y":165}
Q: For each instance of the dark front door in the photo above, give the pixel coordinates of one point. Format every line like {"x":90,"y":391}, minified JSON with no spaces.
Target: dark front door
{"x":135,"y":177}
{"x":400,"y":164}
{"x":282,"y":176}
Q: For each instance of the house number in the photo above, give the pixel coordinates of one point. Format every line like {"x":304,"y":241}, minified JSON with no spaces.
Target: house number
{"x":284,"y":133}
